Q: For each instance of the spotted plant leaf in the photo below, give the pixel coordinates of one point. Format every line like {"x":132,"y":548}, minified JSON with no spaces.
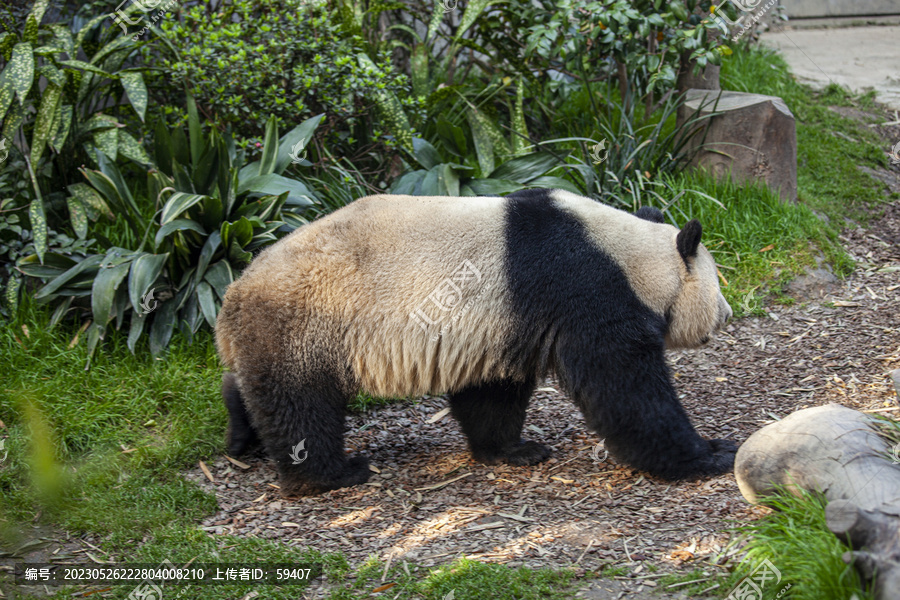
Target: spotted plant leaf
{"x":38,"y":227}
{"x":78,"y":216}
{"x":92,"y":201}
{"x":21,"y":69}
{"x":50,"y":100}
{"x":131,"y":148}
{"x":62,"y":130}
{"x":133,"y":82}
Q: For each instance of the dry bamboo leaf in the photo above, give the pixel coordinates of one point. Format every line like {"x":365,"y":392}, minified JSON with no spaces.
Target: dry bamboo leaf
{"x":236,"y":462}
{"x":206,"y":472}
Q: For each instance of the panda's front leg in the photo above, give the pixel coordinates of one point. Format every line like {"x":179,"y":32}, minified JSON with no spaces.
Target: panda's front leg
{"x":492,"y":416}
{"x":628,"y":398}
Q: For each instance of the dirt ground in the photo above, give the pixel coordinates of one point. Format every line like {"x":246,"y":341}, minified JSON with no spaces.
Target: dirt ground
{"x":429,"y":503}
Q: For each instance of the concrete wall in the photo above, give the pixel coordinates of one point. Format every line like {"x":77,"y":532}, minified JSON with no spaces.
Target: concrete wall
{"x":798,"y":9}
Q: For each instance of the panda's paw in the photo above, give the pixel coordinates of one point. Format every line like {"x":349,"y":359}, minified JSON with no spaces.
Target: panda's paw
{"x":527,"y":453}
{"x":354,"y":472}
{"x":722,"y":457}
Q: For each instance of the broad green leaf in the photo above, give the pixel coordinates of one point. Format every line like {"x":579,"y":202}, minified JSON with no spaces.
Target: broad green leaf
{"x":133,"y":82}
{"x":493,"y":187}
{"x":177,"y":204}
{"x":78,"y":216}
{"x":52,"y":74}
{"x":450,"y":180}
{"x":80,"y":65}
{"x":206,"y":253}
{"x":11,"y":295}
{"x":107,"y":141}
{"x":38,"y":227}
{"x":54,"y":265}
{"x":220,"y":277}
{"x":92,"y":201}
{"x":89,"y":26}
{"x":163,"y":325}
{"x":50,"y":100}
{"x":473,"y":10}
{"x":206,"y":171}
{"x":207,"y":300}
{"x":484,"y":141}
{"x":241,"y":231}
{"x":21,"y":69}
{"x":99,"y":122}
{"x":195,"y":131}
{"x":13,"y":119}
{"x":7,"y":92}
{"x":60,"y":312}
{"x":88,"y":264}
{"x":62,"y":37}
{"x":38,"y":10}
{"x":272,"y":184}
{"x":131,"y":148}
{"x":418,"y":65}
{"x":520,"y":138}
{"x":105,"y":285}
{"x":65,"y":125}
{"x":551,"y":182}
{"x":177,"y":225}
{"x":409,"y":183}
{"x":136,"y":328}
{"x":270,"y":148}
{"x":109,"y":168}
{"x":525,"y":168}
{"x":288,"y":145}
{"x":144,"y":272}
{"x":426,"y":154}
{"x":162,"y":148}
{"x":437,"y":16}
{"x":453,"y":137}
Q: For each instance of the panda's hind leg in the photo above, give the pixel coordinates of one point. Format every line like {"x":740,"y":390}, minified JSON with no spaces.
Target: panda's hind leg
{"x":300,"y":419}
{"x":492,"y":416}
{"x":241,"y":436}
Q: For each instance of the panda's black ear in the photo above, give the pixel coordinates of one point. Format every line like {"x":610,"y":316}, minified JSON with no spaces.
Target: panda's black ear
{"x":650,"y":213}
{"x":689,"y":239}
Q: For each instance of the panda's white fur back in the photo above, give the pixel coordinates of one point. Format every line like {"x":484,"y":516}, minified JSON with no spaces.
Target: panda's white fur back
{"x":380,"y":266}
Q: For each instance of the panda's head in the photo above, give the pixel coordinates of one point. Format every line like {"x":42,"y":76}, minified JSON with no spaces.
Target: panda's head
{"x":699,"y":308}
{"x":686,"y":284}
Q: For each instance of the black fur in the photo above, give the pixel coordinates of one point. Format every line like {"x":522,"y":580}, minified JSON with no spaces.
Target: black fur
{"x":688,"y":239}
{"x":604,"y":344}
{"x":606,"y":347}
{"x":241,"y":436}
{"x":650,"y":213}
{"x":492,"y":417}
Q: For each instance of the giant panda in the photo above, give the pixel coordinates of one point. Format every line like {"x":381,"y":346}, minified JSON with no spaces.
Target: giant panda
{"x":478,"y":298}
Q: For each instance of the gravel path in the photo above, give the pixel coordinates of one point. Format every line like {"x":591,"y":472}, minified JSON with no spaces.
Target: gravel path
{"x":430,"y":503}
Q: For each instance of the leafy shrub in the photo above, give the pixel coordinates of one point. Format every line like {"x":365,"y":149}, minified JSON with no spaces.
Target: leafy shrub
{"x":250,"y":59}
{"x":60,"y":111}
{"x":212,"y":211}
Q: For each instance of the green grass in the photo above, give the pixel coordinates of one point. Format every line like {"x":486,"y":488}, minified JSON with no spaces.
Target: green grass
{"x":759,"y":242}
{"x":168,"y":411}
{"x":828,"y":177}
{"x":797,"y":542}
{"x":465,"y":579}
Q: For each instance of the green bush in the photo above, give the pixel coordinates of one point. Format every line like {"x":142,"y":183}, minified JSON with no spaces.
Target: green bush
{"x":248,"y":60}
{"x":212,"y":211}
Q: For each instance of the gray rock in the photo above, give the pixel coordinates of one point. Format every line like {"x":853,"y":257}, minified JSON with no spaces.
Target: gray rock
{"x":755,"y":138}
{"x":895,"y":376}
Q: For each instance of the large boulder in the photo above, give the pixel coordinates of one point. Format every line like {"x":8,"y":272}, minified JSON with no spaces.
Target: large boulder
{"x":754,"y":138}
